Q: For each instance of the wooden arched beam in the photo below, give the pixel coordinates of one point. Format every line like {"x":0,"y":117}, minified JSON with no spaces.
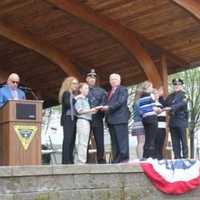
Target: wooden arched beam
{"x":123,"y":35}
{"x":192,"y":6}
{"x":55,"y":55}
{"x":170,"y":56}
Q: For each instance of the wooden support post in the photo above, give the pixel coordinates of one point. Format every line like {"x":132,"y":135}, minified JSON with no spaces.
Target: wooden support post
{"x":164,"y":76}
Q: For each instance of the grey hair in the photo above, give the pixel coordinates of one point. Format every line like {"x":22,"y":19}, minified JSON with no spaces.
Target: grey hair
{"x":115,"y":75}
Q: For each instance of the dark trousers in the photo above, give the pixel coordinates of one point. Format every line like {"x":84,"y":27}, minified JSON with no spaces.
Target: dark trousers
{"x":119,"y":141}
{"x":160,"y":140}
{"x":150,"y":126}
{"x":98,"y":132}
{"x":179,"y":142}
{"x":69,"y":130}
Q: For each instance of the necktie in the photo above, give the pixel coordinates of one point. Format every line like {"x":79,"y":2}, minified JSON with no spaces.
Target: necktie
{"x":111,"y":93}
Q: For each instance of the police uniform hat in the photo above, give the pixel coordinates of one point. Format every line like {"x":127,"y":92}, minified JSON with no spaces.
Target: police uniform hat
{"x":177,"y":81}
{"x":92,"y":73}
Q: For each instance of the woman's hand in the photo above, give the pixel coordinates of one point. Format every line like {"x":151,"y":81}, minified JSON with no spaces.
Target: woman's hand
{"x":157,"y":110}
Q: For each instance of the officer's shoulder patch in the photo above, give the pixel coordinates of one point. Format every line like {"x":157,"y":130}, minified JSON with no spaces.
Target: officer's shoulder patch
{"x":185,"y":98}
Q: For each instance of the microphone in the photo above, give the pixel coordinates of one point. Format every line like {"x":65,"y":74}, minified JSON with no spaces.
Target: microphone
{"x":25,"y":88}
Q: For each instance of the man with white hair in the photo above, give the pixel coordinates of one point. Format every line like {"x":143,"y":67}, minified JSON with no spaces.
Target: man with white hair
{"x":11,"y":91}
{"x":117,"y":118}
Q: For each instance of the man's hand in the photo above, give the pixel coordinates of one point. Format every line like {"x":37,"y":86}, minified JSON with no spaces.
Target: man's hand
{"x":93,"y":110}
{"x":99,"y":107}
{"x":167,"y":109}
{"x":105,"y":108}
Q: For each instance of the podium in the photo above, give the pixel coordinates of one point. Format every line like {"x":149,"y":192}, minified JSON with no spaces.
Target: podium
{"x":20,"y":132}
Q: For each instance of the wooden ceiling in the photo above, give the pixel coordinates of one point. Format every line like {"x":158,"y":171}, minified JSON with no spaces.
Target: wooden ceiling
{"x":46,"y":40}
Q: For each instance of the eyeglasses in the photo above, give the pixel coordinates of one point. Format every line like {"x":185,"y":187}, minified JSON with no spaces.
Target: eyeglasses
{"x":15,"y":82}
{"x":175,"y":84}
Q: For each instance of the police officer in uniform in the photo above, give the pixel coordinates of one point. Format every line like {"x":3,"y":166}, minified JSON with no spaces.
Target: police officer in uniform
{"x":97,"y":97}
{"x":177,"y":106}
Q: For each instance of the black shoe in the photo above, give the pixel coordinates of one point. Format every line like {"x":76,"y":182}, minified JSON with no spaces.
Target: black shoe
{"x":120,"y":160}
{"x":124,"y":161}
{"x":102,"y":161}
{"x":117,"y":160}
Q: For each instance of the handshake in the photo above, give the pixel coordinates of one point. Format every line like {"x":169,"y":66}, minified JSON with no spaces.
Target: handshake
{"x":159,"y":110}
{"x":166,"y":109}
{"x":99,"y":108}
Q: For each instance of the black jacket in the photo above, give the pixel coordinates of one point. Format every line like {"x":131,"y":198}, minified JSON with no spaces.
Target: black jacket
{"x":179,"y":113}
{"x":66,"y":107}
{"x":97,"y":97}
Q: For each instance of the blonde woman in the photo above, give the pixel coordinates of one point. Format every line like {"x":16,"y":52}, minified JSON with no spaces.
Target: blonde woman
{"x":68,"y":119}
{"x":138,"y":128}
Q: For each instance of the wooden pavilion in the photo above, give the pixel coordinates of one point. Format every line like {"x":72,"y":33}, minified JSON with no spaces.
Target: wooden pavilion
{"x":46,"y":40}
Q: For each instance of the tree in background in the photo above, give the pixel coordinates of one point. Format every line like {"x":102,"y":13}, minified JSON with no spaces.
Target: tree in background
{"x":192,"y":88}
{"x":131,"y":95}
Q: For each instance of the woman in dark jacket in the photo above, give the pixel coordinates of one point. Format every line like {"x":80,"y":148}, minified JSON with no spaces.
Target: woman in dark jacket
{"x":68,"y":119}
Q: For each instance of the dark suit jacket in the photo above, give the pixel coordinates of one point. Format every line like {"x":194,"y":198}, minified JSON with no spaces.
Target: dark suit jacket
{"x":97,"y":97}
{"x":179,"y":112}
{"x":66,"y":107}
{"x":118,"y":112}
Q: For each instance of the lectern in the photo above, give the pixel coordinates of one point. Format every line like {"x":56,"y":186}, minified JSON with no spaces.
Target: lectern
{"x":20,"y":129}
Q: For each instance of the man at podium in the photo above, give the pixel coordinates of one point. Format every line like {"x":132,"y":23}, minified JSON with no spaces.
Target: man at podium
{"x":11,"y":91}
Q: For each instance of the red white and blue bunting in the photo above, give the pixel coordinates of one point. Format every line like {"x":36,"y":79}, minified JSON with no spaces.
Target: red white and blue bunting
{"x":173,"y":176}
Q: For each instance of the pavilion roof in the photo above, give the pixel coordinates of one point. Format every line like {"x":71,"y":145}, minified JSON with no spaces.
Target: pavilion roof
{"x":46,"y":40}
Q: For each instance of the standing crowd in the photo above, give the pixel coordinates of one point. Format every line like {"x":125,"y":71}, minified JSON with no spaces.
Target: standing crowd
{"x":86,"y":107}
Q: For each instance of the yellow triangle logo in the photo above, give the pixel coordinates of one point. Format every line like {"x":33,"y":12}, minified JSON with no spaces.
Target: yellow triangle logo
{"x":25,"y":134}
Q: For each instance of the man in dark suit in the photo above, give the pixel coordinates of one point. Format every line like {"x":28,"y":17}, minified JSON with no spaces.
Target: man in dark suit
{"x":176,"y":103}
{"x":97,"y":97}
{"x":117,"y":119}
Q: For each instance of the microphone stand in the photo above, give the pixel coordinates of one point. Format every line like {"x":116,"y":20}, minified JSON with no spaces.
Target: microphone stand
{"x":26,"y":89}
{"x":34,"y":95}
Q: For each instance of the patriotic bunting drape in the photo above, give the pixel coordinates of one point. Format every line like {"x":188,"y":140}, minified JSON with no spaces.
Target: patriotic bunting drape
{"x":173,"y":176}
